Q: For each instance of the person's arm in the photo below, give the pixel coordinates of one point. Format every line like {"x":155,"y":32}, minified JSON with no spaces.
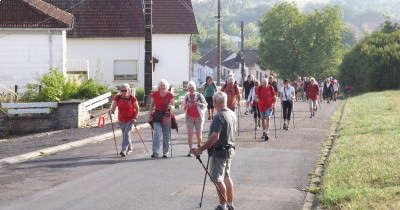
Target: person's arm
{"x":203,"y":102}
{"x":137,"y":110}
{"x":212,"y":139}
{"x":113,"y":107}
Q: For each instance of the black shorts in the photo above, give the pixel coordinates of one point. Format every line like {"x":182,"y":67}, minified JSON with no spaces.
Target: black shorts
{"x":209,"y":101}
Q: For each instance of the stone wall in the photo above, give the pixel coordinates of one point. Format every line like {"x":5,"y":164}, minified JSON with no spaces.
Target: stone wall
{"x":68,"y":114}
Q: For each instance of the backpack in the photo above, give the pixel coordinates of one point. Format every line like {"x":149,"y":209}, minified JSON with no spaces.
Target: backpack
{"x":196,"y":96}
{"x":235,"y":85}
{"x":119,"y":97}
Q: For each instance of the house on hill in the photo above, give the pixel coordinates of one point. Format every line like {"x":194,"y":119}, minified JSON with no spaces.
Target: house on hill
{"x":207,"y":65}
{"x":107,"y":37}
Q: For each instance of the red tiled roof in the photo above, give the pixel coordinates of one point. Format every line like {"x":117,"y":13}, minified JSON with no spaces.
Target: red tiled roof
{"x":173,"y":17}
{"x":124,"y":18}
{"x":32,"y":14}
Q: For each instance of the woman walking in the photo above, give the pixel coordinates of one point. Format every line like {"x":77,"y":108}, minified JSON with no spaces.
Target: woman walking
{"x":287,"y":95}
{"x":161,"y":102}
{"x":252,"y":99}
{"x":128,"y":110}
{"x":208,"y":89}
{"x":194,"y":104}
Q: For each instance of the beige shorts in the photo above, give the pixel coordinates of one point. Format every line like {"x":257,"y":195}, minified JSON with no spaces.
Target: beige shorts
{"x":219,"y":168}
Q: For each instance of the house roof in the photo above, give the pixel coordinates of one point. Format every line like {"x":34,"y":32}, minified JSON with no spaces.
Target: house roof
{"x":210,"y":59}
{"x":251,"y":58}
{"x":124,"y":18}
{"x":33,"y":14}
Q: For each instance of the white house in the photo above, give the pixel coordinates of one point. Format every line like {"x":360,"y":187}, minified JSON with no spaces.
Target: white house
{"x":107,"y":39}
{"x":32,"y":39}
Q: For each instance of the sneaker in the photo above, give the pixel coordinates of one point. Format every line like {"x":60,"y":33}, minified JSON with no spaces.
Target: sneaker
{"x":154,"y":155}
{"x":165,"y":156}
{"x":263,"y":135}
{"x":129,"y":150}
{"x":246,"y":112}
{"x":189,"y":154}
{"x":284,"y":126}
{"x":266,"y":137}
{"x":231,"y":207}
{"x":122,"y":153}
{"x":219,"y":207}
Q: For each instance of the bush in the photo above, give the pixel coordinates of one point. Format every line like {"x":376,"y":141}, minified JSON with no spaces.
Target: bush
{"x":53,"y":86}
{"x":140,"y":94}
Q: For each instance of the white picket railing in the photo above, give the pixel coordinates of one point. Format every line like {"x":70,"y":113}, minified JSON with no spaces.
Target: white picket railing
{"x":29,"y":108}
{"x":98,"y":101}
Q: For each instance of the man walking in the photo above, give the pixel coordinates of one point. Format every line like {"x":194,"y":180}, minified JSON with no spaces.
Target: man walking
{"x":266,"y":105}
{"x":232,"y":91}
{"x":221,"y":148}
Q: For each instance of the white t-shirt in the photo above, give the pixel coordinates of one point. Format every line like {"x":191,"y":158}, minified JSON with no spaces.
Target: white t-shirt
{"x":287,"y":93}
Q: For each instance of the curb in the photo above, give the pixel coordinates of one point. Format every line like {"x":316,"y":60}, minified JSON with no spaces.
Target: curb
{"x":63,"y":147}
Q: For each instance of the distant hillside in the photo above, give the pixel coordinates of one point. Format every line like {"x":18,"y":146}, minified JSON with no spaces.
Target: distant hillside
{"x":359,"y":16}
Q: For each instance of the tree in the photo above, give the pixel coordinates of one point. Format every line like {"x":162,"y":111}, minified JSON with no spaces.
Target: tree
{"x":294,"y":44}
{"x":374,"y":63}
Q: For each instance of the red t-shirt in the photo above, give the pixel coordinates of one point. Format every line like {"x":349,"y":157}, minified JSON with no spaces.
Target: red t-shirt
{"x":232,"y":91}
{"x":312,"y":92}
{"x":126,"y":108}
{"x":192,"y":111}
{"x":161,"y":103}
{"x":266,"y":97}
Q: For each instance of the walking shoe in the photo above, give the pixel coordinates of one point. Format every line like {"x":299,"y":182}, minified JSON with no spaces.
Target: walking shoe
{"x":284,"y":126}
{"x":231,"y":207}
{"x":122,"y":153}
{"x":129,"y":150}
{"x":246,"y":112}
{"x":209,"y":118}
{"x":219,"y":207}
{"x":263,"y":135}
{"x":190,"y":154}
{"x":154,"y":155}
{"x":165,"y":156}
{"x":266,"y":137}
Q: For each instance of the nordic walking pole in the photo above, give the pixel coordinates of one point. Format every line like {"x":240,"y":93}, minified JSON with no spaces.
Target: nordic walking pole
{"x":280,"y":122}
{"x":212,"y":180}
{"x":255,"y":122}
{"x":204,"y":183}
{"x":170,"y":124}
{"x":294,"y":126}
{"x":141,"y":138}
{"x":274,"y":121}
{"x":112,"y":126}
{"x":238,"y":119}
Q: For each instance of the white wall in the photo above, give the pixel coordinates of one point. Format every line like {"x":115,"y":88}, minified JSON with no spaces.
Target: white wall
{"x":101,"y":53}
{"x":27,"y":54}
{"x":174,"y":54}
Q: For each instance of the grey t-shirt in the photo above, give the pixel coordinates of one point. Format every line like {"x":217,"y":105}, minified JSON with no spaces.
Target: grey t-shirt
{"x":224,"y":123}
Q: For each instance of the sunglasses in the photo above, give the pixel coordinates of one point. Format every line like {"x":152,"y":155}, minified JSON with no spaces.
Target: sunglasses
{"x":124,"y":90}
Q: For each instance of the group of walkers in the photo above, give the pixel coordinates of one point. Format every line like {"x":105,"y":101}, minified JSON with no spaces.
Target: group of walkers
{"x":260,"y":97}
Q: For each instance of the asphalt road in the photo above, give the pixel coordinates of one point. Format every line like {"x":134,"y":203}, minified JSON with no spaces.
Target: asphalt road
{"x":267,"y":175}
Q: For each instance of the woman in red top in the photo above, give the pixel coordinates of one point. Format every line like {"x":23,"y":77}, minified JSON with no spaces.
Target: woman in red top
{"x":313,"y":95}
{"x":161,"y":102}
{"x":266,"y":105}
{"x":194,"y":104}
{"x":128,"y":109}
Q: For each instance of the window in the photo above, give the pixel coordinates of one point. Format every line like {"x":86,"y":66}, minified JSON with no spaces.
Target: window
{"x":125,"y":70}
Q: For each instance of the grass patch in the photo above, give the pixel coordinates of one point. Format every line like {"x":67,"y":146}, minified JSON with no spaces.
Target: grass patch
{"x":363,"y":170}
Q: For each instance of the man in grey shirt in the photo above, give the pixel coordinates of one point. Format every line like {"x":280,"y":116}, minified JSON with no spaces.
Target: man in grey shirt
{"x":221,"y":148}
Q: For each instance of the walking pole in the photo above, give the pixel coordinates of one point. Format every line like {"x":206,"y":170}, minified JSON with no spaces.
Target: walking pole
{"x":274,"y":121}
{"x":255,"y":122}
{"x":141,"y":138}
{"x":204,"y":183}
{"x":238,"y":119}
{"x":170,"y":138}
{"x":212,"y":180}
{"x":280,"y":122}
{"x":294,"y":126}
{"x":112,"y":126}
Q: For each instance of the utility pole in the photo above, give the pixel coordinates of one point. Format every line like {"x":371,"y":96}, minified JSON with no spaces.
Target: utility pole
{"x":219,"y":44}
{"x":242,"y":51}
{"x":148,"y":54}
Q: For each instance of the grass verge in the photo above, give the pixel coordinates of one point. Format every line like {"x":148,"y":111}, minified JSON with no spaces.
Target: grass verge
{"x":363,"y":169}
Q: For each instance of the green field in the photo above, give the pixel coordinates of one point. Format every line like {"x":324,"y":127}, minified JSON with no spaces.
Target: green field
{"x":363,"y":169}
